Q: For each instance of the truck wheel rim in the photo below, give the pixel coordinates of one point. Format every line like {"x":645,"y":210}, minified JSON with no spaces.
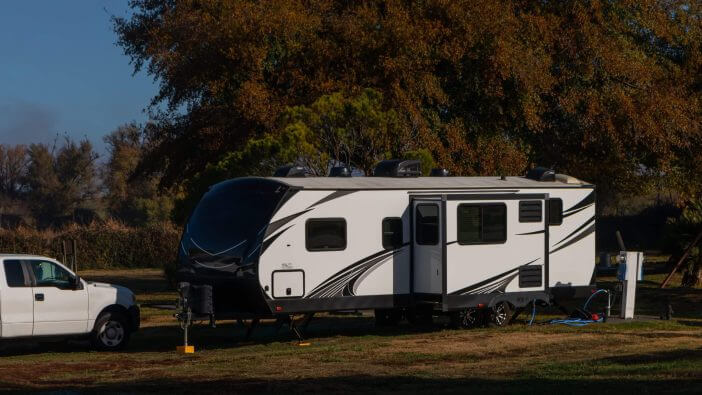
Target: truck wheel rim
{"x":112,"y":333}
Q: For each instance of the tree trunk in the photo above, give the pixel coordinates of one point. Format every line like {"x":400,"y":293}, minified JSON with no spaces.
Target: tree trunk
{"x":693,"y":275}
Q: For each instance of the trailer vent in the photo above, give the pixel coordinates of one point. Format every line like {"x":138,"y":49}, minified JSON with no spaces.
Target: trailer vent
{"x":398,"y":168}
{"x":530,"y":276}
{"x":530,"y":211}
{"x":291,"y":171}
{"x":541,"y":174}
{"x":340,"y":171}
{"x":439,"y":173}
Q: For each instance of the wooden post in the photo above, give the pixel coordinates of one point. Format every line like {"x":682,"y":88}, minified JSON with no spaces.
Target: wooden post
{"x":682,"y":259}
{"x":75,"y":256}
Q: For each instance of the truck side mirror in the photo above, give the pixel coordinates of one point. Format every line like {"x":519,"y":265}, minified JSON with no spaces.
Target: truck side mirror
{"x":76,"y":283}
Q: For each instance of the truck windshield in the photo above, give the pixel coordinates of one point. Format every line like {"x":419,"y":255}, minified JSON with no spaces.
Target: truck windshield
{"x":228,"y":223}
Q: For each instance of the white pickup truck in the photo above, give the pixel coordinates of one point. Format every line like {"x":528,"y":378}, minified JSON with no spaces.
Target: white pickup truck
{"x":40,"y":298}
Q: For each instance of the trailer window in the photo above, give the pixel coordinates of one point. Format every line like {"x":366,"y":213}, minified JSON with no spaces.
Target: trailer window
{"x":14,"y":274}
{"x":392,"y":233}
{"x":482,"y":223}
{"x":530,"y":211}
{"x":427,"y":224}
{"x":325,"y":234}
{"x":555,"y":211}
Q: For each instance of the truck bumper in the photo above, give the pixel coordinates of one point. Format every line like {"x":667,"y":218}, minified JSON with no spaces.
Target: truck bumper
{"x":134,"y":317}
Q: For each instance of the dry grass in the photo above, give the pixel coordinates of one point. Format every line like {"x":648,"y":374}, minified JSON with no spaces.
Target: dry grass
{"x":348,"y":354}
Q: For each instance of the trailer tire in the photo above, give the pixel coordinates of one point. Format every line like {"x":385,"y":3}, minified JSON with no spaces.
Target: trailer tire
{"x":467,"y":318}
{"x":111,"y":331}
{"x":501,"y":314}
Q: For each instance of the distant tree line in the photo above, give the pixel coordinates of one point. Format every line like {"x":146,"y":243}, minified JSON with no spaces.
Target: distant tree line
{"x":50,"y":185}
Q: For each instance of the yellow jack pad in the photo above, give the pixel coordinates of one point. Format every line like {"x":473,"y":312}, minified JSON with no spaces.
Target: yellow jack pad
{"x":186,"y":349}
{"x":303,"y":344}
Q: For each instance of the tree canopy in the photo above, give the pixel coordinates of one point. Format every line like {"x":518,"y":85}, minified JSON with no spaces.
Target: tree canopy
{"x":607,"y":91}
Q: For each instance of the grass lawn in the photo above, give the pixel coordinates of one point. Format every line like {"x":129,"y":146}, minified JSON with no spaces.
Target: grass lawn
{"x":348,"y":354}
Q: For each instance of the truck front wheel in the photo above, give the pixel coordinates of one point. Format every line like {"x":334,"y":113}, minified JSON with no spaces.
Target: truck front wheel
{"x":111,"y":331}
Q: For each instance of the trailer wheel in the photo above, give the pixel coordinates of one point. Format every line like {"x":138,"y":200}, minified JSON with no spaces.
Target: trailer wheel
{"x":501,"y":314}
{"x":468,"y":318}
{"x":111,"y":331}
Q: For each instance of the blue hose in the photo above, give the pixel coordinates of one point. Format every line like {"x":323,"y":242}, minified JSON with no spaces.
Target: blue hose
{"x":591,"y":296}
{"x":533,"y":312}
{"x":578,"y":322}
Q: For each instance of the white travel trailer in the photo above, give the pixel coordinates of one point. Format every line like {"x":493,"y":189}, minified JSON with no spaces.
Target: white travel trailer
{"x":285,"y":245}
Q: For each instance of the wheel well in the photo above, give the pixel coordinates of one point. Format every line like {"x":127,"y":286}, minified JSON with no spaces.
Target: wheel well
{"x":115,"y":308}
{"x":517,"y":300}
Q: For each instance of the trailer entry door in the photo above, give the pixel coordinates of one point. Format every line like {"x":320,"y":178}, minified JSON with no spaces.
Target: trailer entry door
{"x":427,"y":246}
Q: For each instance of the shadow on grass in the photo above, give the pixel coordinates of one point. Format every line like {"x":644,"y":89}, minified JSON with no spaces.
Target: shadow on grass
{"x":391,"y":385}
{"x":229,"y":335}
{"x":657,"y":357}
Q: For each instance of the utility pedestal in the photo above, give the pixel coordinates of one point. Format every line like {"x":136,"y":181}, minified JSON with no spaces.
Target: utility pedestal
{"x":629,"y":272}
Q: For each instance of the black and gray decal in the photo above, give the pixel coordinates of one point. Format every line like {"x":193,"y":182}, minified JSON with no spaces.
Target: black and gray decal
{"x":331,"y":196}
{"x":578,"y":234}
{"x":271,"y":239}
{"x":346,"y":281}
{"x":588,"y":201}
{"x":275,"y":225}
{"x":495,"y":284}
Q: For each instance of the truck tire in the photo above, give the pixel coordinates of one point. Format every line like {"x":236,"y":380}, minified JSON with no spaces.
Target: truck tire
{"x":111,"y":331}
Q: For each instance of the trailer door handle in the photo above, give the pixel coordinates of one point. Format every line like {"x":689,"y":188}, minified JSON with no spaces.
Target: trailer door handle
{"x":39,"y":297}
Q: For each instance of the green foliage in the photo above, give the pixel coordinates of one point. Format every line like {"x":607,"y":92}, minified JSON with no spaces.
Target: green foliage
{"x":60,"y":182}
{"x":597,"y":89}
{"x":425,"y":159}
{"x":100,"y":246}
{"x":133,"y":199}
{"x":353,"y":130}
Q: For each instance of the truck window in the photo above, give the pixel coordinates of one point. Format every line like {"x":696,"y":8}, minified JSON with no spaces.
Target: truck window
{"x":14,"y":273}
{"x":49,"y":274}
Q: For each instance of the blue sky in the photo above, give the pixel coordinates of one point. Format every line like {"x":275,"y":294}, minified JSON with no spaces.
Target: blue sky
{"x":60,"y":72}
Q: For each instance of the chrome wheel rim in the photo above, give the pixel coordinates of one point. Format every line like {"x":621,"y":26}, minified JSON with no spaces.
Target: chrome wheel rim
{"x":499,"y":314}
{"x":112,"y":333}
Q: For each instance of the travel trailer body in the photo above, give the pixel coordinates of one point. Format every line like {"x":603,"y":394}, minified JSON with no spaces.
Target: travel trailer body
{"x":276,"y":245}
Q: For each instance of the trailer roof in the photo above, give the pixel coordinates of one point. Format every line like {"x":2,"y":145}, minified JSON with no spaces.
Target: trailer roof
{"x":426,"y":182}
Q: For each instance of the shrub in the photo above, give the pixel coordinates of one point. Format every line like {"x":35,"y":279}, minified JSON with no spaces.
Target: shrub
{"x":100,"y":245}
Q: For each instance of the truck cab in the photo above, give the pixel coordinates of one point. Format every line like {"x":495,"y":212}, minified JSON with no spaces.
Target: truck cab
{"x":40,"y":298}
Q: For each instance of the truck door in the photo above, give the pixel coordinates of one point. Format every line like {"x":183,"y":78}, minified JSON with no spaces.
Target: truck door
{"x":16,"y":303}
{"x":427,"y":246}
{"x":58,"y":308}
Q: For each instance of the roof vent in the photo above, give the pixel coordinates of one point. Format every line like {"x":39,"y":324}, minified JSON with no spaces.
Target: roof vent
{"x":291,"y":171}
{"x":340,"y":171}
{"x":438,"y":173}
{"x":398,"y":168}
{"x":541,"y":174}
